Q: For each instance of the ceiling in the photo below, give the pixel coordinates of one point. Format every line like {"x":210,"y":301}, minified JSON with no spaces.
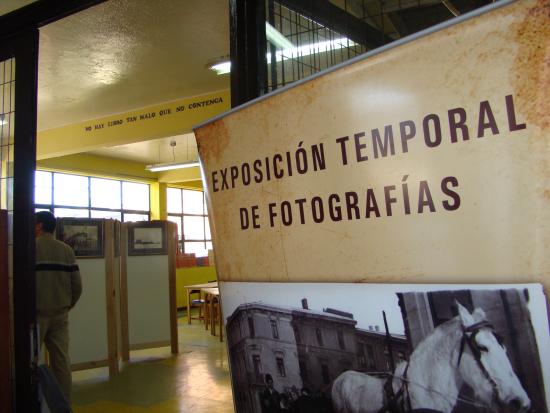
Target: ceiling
{"x":123,"y":55}
{"x":155,"y":151}
{"x":10,"y":5}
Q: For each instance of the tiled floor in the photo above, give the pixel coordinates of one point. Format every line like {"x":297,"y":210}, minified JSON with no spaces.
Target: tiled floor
{"x":195,"y":381}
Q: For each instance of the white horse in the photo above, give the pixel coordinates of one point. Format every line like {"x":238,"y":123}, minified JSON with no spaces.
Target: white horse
{"x":460,"y":350}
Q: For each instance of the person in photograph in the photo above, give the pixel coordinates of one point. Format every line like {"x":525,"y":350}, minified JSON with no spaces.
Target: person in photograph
{"x":270,"y":398}
{"x":285,"y":403}
{"x":305,"y":403}
{"x":58,"y":288}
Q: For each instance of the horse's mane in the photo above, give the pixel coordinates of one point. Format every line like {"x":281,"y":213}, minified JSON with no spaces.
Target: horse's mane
{"x":446,"y":329}
{"x":449,"y":331}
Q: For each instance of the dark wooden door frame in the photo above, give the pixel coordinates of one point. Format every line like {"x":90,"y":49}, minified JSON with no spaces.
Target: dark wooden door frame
{"x":24,"y":48}
{"x":248,"y":46}
{"x":5,"y":322}
{"x":19,"y":39}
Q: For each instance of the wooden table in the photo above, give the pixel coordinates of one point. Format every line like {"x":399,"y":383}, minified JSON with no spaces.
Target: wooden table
{"x":212,"y":299}
{"x":192,"y":287}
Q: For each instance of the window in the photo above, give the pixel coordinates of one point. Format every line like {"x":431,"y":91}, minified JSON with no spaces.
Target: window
{"x":251,"y":327}
{"x":281,"y":366}
{"x":387,"y":358}
{"x":257,"y":366}
{"x":89,"y":197}
{"x":274,"y":330}
{"x":361,"y":355}
{"x":187,"y":208}
{"x":297,"y":335}
{"x":319,"y":336}
{"x":370,"y":356}
{"x":341,"y":342}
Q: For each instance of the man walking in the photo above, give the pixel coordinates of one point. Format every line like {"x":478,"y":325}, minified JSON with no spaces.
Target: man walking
{"x":58,"y":288}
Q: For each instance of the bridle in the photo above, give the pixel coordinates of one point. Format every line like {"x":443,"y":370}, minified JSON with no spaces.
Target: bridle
{"x":402,"y":399}
{"x":469,"y":337}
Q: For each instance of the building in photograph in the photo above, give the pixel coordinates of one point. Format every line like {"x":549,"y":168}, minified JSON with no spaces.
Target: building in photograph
{"x":373,"y":354}
{"x":300,"y":348}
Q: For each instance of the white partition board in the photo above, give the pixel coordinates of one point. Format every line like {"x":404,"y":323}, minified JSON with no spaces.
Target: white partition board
{"x":88,"y":319}
{"x":148,"y":300}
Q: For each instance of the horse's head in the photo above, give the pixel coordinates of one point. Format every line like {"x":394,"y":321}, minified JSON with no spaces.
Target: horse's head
{"x":484,"y":365}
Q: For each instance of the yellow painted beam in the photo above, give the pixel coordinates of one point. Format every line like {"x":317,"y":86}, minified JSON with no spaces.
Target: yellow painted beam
{"x":99,"y":166}
{"x":153,"y":122}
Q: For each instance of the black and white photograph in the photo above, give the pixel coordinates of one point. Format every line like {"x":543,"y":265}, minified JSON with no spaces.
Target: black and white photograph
{"x":84,"y":235}
{"x":147,"y":238}
{"x":362,"y":348}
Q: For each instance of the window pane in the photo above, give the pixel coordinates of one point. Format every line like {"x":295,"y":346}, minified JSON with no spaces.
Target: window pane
{"x":173,"y":200}
{"x":135,"y":217}
{"x":196,"y":248}
{"x":71,"y":213}
{"x":106,"y":214}
{"x":135,"y":196}
{"x":193,"y":227}
{"x":42,"y":187}
{"x":105,"y":193}
{"x":177,"y":220}
{"x":209,"y":246}
{"x":70,"y":190}
{"x":192,"y":202}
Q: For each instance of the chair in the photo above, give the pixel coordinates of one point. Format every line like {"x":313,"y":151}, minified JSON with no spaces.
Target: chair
{"x":196,"y":302}
{"x":207,"y":307}
{"x":216,"y":316}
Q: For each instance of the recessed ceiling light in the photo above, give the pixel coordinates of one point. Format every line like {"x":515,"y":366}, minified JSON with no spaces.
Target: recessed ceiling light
{"x":171,"y":165}
{"x":276,"y":38}
{"x":222,"y":68}
{"x":221,"y":65}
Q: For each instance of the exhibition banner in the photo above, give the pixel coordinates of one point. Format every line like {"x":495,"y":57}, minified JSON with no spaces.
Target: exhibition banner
{"x":426,"y":161}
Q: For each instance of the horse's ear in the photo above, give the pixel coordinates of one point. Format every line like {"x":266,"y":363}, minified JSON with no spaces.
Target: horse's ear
{"x":479,"y":315}
{"x":464,"y":314}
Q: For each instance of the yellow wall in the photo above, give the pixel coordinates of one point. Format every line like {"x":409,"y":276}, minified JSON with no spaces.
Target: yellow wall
{"x":192,"y":275}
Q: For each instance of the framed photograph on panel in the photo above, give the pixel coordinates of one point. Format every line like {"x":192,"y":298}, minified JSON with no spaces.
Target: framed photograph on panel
{"x":84,"y":235}
{"x":147,"y":238}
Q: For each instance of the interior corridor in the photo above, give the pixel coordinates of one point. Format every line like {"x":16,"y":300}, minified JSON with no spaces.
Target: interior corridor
{"x":196,"y":380}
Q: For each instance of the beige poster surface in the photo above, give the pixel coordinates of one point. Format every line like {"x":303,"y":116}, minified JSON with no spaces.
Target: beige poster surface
{"x":427,"y":162}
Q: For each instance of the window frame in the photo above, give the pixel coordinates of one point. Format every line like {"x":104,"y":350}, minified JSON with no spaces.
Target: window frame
{"x":89,"y":208}
{"x":181,"y":217}
{"x":280,"y":362}
{"x":319,"y":335}
{"x":274,"y":328}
